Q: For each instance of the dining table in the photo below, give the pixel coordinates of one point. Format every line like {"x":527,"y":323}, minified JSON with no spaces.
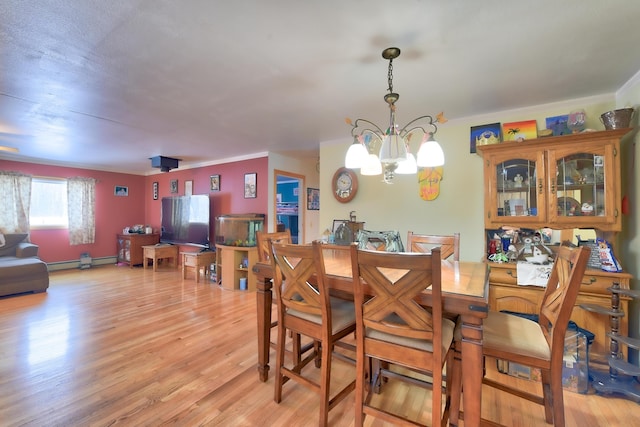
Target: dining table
{"x":465,"y":293}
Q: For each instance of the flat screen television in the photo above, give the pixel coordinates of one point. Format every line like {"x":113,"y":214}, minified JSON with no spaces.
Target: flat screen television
{"x":185,"y":220}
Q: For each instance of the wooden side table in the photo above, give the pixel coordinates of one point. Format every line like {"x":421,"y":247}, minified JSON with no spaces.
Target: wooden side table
{"x":197,"y":260}
{"x":156,"y":252}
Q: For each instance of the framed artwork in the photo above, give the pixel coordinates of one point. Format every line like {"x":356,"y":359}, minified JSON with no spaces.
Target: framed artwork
{"x":337,"y":223}
{"x":215,"y":182}
{"x":120,"y":190}
{"x":558,"y":124}
{"x":173,"y":186}
{"x":313,"y":199}
{"x":250,"y":185}
{"x":484,"y":135}
{"x":520,"y":131}
{"x":154,"y":189}
{"x":188,"y":188}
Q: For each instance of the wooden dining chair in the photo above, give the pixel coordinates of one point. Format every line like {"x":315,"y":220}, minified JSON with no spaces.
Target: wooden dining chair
{"x":306,"y":308}
{"x":536,"y":344}
{"x":263,"y":240}
{"x":423,"y":243}
{"x":393,"y":328}
{"x":264,"y":248}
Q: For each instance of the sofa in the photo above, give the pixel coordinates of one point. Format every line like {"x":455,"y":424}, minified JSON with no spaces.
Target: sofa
{"x":20,"y":268}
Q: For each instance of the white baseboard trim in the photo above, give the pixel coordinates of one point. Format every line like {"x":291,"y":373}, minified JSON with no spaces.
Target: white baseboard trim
{"x":70,"y":265}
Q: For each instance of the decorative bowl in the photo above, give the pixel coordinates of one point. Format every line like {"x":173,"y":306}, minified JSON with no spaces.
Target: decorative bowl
{"x":617,"y":119}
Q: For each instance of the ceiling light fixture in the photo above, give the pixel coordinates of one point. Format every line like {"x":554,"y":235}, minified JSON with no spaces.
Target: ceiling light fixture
{"x":394,"y":155}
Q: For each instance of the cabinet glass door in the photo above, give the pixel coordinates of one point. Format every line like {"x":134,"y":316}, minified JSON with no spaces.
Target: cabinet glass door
{"x":585,"y":186}
{"x":580,"y":188}
{"x":518,"y":190}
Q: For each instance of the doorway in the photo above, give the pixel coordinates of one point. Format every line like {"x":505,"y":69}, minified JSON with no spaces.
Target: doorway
{"x":289,"y":203}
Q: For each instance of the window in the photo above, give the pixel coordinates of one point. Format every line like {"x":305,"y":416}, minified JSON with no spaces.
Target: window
{"x":48,"y":203}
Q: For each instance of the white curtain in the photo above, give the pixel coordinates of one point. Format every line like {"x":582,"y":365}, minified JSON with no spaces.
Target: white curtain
{"x":81,"y":199}
{"x":15,"y":189}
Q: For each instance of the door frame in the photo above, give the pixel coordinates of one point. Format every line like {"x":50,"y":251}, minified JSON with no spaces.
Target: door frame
{"x":301,"y":200}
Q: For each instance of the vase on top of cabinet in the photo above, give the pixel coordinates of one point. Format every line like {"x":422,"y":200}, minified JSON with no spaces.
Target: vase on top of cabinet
{"x":570,"y":181}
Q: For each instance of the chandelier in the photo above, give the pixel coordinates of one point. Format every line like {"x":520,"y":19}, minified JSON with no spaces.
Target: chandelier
{"x":394,"y":156}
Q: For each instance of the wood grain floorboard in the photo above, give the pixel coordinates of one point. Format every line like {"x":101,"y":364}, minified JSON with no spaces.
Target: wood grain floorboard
{"x":119,"y":346}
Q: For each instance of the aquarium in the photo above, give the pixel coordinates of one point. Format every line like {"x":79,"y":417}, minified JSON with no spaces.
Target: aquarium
{"x":238,"y":229}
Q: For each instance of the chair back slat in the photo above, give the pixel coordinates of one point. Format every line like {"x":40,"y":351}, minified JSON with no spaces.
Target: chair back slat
{"x":298,"y":278}
{"x":262,"y":239}
{"x":393,"y":281}
{"x":561,"y":293}
{"x":423,"y":243}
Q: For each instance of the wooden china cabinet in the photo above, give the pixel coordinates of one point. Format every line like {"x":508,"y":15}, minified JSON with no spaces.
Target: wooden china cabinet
{"x":563,"y":183}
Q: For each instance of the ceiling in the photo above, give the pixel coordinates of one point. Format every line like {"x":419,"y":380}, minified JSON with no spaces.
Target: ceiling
{"x":108,"y":84}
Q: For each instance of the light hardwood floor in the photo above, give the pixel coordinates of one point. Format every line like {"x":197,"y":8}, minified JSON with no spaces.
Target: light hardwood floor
{"x":119,"y":346}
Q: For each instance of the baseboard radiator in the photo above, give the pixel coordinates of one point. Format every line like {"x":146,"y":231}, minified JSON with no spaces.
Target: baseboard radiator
{"x":69,"y":265}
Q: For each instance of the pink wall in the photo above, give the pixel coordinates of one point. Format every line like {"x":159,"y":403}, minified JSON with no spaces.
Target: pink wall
{"x":113,"y":213}
{"x":230,"y":198}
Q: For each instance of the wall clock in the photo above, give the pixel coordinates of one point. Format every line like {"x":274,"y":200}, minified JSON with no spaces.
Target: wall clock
{"x":344,"y":185}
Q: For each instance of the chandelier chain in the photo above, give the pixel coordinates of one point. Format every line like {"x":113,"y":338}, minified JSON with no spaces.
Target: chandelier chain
{"x":390,"y":76}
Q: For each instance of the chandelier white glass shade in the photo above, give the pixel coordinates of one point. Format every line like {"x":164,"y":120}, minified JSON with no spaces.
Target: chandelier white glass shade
{"x":394,"y":156}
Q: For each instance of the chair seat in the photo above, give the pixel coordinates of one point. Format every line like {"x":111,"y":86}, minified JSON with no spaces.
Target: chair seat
{"x":515,"y":335}
{"x":343,"y":314}
{"x":447,"y":338}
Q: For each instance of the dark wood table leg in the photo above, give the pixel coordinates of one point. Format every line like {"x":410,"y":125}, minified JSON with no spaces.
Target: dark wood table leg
{"x":472,"y":369}
{"x":263,"y":299}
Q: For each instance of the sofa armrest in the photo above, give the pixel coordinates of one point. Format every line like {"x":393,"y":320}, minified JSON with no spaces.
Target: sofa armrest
{"x":26,"y":250}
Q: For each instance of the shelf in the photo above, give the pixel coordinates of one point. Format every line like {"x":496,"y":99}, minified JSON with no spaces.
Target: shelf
{"x":228,"y":260}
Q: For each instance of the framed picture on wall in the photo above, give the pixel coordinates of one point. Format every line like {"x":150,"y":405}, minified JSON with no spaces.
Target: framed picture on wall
{"x":313,"y":199}
{"x":120,"y":190}
{"x":173,"y":186}
{"x":215,"y":182}
{"x":250,"y":185}
{"x":154,"y":189}
{"x":188,"y":188}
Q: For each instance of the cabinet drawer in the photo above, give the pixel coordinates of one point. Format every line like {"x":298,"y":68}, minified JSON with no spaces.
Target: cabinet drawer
{"x":504,"y":275}
{"x":597,"y":282}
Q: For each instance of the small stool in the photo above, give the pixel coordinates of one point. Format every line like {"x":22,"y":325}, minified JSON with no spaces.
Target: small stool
{"x":197,"y":260}
{"x":157,"y":252}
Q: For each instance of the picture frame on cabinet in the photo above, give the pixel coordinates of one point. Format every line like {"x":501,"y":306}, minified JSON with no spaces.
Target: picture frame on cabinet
{"x":520,"y":131}
{"x":250,"y":185}
{"x":188,"y":188}
{"x":215,"y":182}
{"x":337,"y":223}
{"x":154,"y":189}
{"x":120,"y":190}
{"x":485,"y":135}
{"x":558,"y":125}
{"x":173,"y":186}
{"x":313,"y":199}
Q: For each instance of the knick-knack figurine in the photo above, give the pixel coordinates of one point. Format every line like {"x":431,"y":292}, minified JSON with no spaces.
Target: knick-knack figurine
{"x":518,"y":181}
